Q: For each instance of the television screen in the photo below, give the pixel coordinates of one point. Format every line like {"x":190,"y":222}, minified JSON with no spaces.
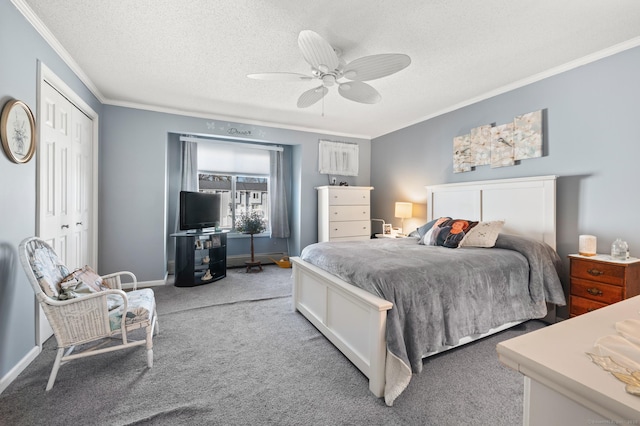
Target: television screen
{"x":199,"y":210}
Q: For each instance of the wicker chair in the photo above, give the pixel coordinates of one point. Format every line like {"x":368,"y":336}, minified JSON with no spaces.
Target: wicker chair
{"x":90,"y":323}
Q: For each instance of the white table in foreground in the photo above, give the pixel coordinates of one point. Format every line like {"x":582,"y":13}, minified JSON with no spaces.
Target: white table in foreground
{"x":562,"y":385}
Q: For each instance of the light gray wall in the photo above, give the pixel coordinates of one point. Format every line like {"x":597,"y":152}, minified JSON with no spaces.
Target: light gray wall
{"x":593,"y":145}
{"x":21,"y":47}
{"x":137,"y":171}
{"x":133,"y":186}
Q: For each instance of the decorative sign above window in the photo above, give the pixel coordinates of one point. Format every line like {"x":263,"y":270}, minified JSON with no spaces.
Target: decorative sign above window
{"x":338,"y":158}
{"x":501,"y":145}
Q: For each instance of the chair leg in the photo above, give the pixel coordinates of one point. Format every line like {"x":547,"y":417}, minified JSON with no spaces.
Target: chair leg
{"x":150,"y":346}
{"x":156,"y":327}
{"x":54,"y":370}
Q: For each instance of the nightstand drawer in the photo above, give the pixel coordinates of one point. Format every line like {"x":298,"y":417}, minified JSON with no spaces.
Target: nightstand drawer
{"x":580,"y":305}
{"x":597,"y":271}
{"x":598,"y":292}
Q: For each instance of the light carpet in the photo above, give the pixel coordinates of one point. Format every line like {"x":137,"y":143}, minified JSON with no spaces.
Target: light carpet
{"x":234,"y":353}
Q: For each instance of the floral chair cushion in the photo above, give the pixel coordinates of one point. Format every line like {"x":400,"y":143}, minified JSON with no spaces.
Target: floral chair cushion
{"x":141,"y":306}
{"x":49,"y":271}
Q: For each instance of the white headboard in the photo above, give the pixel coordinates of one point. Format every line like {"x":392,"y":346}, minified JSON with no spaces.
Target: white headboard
{"x":527,"y":205}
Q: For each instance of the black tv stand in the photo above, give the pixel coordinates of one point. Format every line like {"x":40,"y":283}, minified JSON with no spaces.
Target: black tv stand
{"x":201,"y":257}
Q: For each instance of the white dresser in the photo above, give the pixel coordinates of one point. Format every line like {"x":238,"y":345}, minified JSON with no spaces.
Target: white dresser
{"x":562,"y":386}
{"x":344,"y":213}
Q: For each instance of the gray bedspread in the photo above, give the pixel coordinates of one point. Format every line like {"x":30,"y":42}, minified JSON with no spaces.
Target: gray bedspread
{"x":439,"y":294}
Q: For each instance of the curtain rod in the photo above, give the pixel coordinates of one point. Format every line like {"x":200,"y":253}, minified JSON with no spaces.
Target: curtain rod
{"x":244,"y":145}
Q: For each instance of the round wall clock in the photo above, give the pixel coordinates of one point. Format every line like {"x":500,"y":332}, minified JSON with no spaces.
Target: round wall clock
{"x":17,"y":130}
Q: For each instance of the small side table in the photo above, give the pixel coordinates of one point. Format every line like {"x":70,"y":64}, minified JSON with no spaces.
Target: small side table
{"x":598,"y":281}
{"x":250,"y":265}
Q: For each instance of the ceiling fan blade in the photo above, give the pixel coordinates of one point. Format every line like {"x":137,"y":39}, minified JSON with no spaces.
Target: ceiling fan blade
{"x":280,"y":76}
{"x":359,"y":92}
{"x":317,"y":51}
{"x":312,"y":96}
{"x":376,"y":66}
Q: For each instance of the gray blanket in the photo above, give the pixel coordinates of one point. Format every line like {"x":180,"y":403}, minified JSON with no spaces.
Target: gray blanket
{"x":439,"y":294}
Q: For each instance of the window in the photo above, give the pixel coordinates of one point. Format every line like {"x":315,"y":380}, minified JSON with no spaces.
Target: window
{"x":240,"y":194}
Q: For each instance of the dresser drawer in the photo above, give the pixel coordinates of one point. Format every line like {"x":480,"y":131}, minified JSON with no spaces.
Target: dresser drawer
{"x":343,"y":213}
{"x":597,"y":271}
{"x":599,"y":292}
{"x":345,"y":197}
{"x":580,"y":305}
{"x":350,"y":229}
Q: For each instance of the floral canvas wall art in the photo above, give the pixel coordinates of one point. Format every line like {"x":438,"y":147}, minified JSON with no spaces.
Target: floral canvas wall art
{"x":527,"y":135}
{"x":502,"y":145}
{"x":462,"y":159}
{"x":481,"y":145}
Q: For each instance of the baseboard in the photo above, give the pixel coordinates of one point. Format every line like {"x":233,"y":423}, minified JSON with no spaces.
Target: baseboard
{"x":143,"y":284}
{"x":264,"y":258}
{"x":19,"y":367}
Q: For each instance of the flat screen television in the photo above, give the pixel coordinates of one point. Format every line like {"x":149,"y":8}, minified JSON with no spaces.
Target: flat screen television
{"x":199,"y":210}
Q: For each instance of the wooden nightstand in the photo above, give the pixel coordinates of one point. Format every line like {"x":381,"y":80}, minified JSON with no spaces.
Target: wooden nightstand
{"x":599,"y":281}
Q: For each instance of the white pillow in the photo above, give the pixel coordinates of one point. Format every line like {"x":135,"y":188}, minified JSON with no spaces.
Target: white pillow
{"x":484,"y":234}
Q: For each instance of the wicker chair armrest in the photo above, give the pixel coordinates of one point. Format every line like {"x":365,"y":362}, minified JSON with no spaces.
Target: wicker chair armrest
{"x":84,"y":299}
{"x":114,"y":279}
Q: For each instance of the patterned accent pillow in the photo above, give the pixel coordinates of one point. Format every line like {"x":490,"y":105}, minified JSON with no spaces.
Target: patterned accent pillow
{"x":421,"y":231}
{"x":427,"y":228}
{"x":484,"y":234}
{"x":447,"y":232}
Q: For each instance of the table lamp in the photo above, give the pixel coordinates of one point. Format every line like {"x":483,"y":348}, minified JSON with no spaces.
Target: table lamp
{"x":403,"y":211}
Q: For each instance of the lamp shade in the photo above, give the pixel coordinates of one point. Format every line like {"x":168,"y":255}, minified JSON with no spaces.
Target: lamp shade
{"x":404,"y":210}
{"x":587,"y":245}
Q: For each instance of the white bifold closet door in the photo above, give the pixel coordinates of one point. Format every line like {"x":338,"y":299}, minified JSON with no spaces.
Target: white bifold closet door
{"x":64,"y":182}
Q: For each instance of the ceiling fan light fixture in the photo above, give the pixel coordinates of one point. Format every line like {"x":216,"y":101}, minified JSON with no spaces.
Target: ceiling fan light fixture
{"x":328,"y":66}
{"x":350,"y":75}
{"x":328,"y":80}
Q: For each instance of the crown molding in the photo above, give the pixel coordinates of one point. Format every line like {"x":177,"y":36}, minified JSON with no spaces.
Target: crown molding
{"x":618,"y":48}
{"x":42,"y":29}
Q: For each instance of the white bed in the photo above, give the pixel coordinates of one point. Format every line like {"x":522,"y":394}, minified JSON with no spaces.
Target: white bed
{"x":354,"y":320}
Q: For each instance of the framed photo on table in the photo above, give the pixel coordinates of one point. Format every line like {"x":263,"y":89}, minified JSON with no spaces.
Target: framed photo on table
{"x":18,"y":131}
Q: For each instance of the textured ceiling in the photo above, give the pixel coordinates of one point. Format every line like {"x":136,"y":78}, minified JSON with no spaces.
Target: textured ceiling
{"x":193,"y":56}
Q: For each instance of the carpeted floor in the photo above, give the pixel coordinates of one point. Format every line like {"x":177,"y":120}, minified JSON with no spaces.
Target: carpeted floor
{"x":234,"y":353}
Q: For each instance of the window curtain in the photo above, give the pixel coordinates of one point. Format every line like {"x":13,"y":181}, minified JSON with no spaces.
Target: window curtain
{"x":338,"y":158}
{"x":278,"y":196}
{"x":189,"y":166}
{"x":189,"y":174}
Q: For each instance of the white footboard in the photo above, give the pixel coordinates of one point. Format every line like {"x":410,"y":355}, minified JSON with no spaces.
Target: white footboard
{"x":353,"y":320}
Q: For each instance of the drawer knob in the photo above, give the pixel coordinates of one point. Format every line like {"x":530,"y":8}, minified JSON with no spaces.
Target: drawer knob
{"x":594,"y":272}
{"x":594,"y":291}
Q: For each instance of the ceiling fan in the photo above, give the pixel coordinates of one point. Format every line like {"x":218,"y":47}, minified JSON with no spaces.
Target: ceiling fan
{"x":330,"y":69}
